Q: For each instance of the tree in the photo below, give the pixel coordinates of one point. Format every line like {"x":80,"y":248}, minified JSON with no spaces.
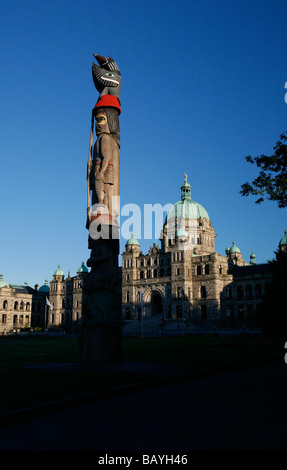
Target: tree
{"x":271,"y":183}
{"x":271,"y":314}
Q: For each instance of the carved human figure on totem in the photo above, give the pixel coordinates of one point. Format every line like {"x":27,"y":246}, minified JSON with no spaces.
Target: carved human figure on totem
{"x":105,"y":174}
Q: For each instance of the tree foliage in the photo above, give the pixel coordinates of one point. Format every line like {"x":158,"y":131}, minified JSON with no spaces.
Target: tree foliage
{"x":271,"y":183}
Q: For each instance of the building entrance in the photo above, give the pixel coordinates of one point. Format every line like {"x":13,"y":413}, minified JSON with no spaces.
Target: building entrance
{"x":156,"y":303}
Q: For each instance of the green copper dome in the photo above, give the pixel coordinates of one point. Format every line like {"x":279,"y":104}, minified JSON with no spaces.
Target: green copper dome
{"x":59,"y":271}
{"x":132,"y":241}
{"x":2,"y":282}
{"x":234,"y":249}
{"x":186,"y":208}
{"x":83,"y":268}
{"x":45,"y":287}
{"x":283,"y":240}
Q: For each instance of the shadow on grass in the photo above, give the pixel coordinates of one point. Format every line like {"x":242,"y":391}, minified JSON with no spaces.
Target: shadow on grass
{"x":26,"y":387}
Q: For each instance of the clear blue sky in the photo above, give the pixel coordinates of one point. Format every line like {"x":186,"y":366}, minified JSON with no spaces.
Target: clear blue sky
{"x":202,"y":87}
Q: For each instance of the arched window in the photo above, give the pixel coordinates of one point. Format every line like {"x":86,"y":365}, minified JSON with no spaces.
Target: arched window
{"x":198,"y":270}
{"x":162,"y":272}
{"x":258,"y":290}
{"x":203,"y":293}
{"x":206,"y":270}
{"x":27,"y":306}
{"x":5,"y":304}
{"x":141,"y":275}
{"x":249,"y":291}
{"x":128,"y":296}
{"x":239,"y":292}
{"x":228,"y":292}
{"x":16,"y":305}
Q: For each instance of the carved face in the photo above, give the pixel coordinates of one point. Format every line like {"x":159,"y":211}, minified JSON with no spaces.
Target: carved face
{"x":101,"y":122}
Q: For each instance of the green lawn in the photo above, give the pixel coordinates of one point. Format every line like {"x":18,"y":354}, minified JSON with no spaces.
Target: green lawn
{"x":22,"y":387}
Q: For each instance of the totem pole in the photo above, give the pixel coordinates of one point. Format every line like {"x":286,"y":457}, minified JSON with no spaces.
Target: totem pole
{"x":101,"y":338}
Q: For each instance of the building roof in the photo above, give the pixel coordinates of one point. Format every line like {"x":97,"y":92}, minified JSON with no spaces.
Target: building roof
{"x":2,"y":282}
{"x":59,"y":271}
{"x":132,"y":241}
{"x":253,"y":270}
{"x":234,"y":248}
{"x":45,"y":287}
{"x":82,"y":268}
{"x":186,"y":208}
{"x":283,"y":240}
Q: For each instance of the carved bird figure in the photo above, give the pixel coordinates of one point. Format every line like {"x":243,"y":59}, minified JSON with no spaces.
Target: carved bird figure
{"x":106,"y":76}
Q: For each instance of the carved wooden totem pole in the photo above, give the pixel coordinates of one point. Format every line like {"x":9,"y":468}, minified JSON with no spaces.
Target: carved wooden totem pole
{"x":101,"y":338}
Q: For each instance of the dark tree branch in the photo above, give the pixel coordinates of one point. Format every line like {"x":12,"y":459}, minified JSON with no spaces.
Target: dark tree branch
{"x":271,"y":183}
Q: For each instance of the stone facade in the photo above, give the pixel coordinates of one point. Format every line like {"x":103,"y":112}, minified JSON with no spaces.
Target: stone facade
{"x":185,"y":278}
{"x":182,"y":278}
{"x":66,"y":299}
{"x":24,"y":307}
{"x":21,"y":307}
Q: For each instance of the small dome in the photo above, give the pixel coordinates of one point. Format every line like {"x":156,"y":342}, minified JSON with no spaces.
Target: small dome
{"x":82,"y":268}
{"x":2,"y":282}
{"x":59,"y":271}
{"x":132,"y":241}
{"x":234,"y":249}
{"x":252,"y":258}
{"x":45,"y":287}
{"x":186,"y":208}
{"x":181,"y":232}
{"x":283,"y":240}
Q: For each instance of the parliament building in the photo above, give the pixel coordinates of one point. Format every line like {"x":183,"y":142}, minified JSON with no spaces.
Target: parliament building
{"x":185,"y":278}
{"x":182,"y":278}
